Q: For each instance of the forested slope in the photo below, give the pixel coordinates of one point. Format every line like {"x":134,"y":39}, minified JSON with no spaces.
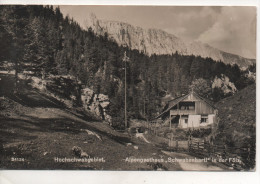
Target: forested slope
{"x":237,"y":125}
{"x":41,"y":41}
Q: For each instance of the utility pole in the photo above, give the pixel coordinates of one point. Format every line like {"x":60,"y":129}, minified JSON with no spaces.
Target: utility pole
{"x":125,"y":59}
{"x":14,"y":53}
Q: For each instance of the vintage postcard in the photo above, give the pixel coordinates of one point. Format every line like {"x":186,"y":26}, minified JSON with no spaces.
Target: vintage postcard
{"x":162,"y":88}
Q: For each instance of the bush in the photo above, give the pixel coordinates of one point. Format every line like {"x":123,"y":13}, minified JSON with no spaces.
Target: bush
{"x":199,"y":133}
{"x":133,"y":130}
{"x":141,"y":129}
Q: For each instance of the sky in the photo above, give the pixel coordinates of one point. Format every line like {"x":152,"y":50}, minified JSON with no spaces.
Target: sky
{"x":228,"y":28}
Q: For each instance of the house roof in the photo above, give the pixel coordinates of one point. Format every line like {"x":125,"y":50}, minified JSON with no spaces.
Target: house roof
{"x":179,"y":99}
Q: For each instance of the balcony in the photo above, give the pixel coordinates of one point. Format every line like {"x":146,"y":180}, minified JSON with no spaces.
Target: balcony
{"x":182,"y":112}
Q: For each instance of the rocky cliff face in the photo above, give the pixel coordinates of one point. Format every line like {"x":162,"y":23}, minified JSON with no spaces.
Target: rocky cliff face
{"x":96,"y":103}
{"x":65,"y":88}
{"x":156,"y":41}
{"x":224,"y":84}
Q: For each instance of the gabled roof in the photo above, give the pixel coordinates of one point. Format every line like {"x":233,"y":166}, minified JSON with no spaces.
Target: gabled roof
{"x":179,"y":99}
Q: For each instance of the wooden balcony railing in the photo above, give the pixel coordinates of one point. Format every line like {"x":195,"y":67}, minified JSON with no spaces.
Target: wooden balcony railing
{"x":182,"y":112}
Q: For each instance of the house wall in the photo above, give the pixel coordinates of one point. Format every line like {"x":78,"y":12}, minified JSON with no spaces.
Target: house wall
{"x":191,"y":97}
{"x":212,"y":118}
{"x":202,"y":107}
{"x":182,"y":123}
{"x":193,"y":115}
{"x":194,"y":121}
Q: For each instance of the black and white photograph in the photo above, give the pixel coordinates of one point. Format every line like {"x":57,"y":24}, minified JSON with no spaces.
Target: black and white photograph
{"x":128,"y":88}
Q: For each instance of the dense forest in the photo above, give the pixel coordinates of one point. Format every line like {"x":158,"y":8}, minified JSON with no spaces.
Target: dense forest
{"x":42,"y":40}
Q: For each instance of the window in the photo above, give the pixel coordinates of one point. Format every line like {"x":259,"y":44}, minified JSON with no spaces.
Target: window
{"x":187,"y":105}
{"x":191,"y":107}
{"x":204,"y":119}
{"x":185,"y":118}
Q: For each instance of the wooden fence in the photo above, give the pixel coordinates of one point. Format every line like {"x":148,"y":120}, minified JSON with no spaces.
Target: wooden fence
{"x":207,"y":149}
{"x":204,"y":147}
{"x":179,"y":145}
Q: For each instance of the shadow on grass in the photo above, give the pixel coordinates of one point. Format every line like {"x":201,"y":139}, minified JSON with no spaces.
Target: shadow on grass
{"x":64,"y":125}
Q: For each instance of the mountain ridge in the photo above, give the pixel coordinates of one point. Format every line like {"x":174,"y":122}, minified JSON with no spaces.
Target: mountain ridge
{"x":157,"y":41}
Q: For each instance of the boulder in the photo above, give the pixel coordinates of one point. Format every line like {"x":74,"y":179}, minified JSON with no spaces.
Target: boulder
{"x":86,"y":95}
{"x":79,"y":152}
{"x":224,"y":84}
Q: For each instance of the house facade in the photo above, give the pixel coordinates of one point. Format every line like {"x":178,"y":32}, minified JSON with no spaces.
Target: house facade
{"x":189,"y":111}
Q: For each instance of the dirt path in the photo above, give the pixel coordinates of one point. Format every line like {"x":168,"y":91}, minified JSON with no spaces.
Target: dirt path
{"x":192,"y":165}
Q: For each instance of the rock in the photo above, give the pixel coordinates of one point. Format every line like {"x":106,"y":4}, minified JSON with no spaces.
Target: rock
{"x":251,"y":75}
{"x":156,"y":41}
{"x":79,"y":152}
{"x":104,"y":104}
{"x":38,"y":83}
{"x":84,"y":154}
{"x":108,"y":117}
{"x":128,"y":144}
{"x":102,"y":97}
{"x":94,"y":134}
{"x":141,"y":136}
{"x":86,"y":95}
{"x":224,"y":84}
{"x":96,"y":103}
{"x":136,"y":147}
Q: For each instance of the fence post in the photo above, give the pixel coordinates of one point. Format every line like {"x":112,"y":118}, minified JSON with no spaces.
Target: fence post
{"x":198,"y":146}
{"x":171,"y":137}
{"x":208,"y":148}
{"x":189,"y":143}
{"x":225,"y":151}
{"x":248,"y":154}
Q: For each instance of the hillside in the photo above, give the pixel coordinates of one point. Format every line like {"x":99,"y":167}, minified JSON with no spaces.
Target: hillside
{"x":237,"y":125}
{"x":39,"y":132}
{"x":156,"y":41}
{"x":96,"y":62}
{"x":38,"y":128}
{"x":238,"y":112}
{"x":62,"y":89}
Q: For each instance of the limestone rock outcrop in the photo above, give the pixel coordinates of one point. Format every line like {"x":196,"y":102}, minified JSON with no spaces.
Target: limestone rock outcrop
{"x":156,"y":41}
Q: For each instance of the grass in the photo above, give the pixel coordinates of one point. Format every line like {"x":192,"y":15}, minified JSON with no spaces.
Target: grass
{"x":38,"y":128}
{"x":237,"y":125}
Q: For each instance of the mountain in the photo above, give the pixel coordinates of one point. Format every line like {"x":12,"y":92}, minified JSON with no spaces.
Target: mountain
{"x":156,"y":41}
{"x":64,"y":49}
